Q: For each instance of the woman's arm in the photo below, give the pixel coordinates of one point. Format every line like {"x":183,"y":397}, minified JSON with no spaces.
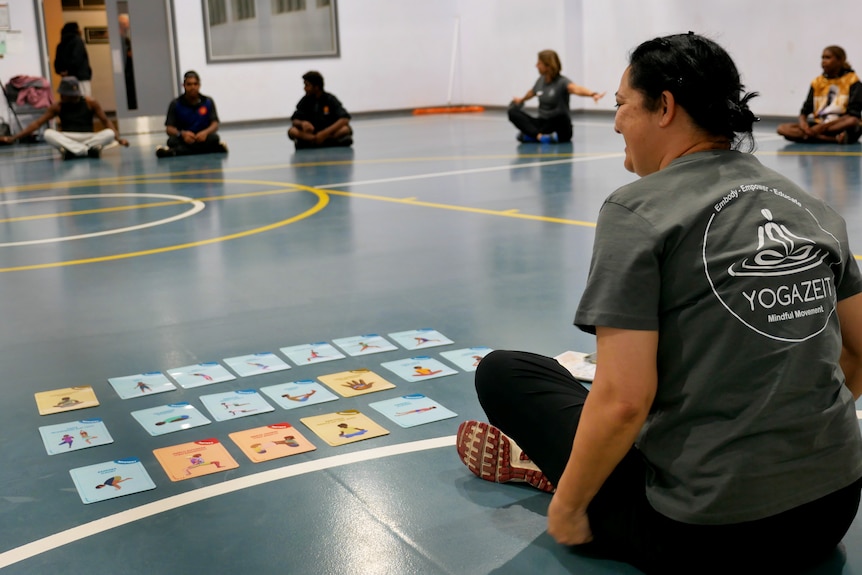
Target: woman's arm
{"x":615,"y":410}
{"x":850,"y":317}
{"x":526,"y":97}
{"x":581,"y":91}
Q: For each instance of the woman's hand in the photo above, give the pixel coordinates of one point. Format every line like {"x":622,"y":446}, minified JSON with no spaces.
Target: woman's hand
{"x":568,"y":526}
{"x":596,"y":96}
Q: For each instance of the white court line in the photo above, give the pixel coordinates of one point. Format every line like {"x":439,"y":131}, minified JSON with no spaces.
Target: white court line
{"x":125,"y":517}
{"x":473,"y":171}
{"x":196,"y":206}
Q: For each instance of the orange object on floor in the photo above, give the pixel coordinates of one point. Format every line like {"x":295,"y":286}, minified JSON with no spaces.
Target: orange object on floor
{"x":448,"y":110}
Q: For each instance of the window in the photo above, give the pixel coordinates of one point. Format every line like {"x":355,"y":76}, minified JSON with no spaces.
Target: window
{"x":282,"y":6}
{"x":322,"y":3}
{"x":217,"y":12}
{"x":83,"y":4}
{"x":243,"y":9}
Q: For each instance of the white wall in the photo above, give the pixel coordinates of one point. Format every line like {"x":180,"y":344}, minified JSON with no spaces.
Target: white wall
{"x":776,"y":44}
{"x":397,"y":54}
{"x":22,"y":57}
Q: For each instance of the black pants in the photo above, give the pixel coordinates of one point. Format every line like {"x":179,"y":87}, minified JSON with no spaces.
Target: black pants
{"x":211,"y":145}
{"x":561,"y":125}
{"x":537,"y":403}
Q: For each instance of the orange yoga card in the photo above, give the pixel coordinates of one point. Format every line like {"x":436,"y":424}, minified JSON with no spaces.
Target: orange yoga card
{"x":271,"y":442}
{"x":195,"y":459}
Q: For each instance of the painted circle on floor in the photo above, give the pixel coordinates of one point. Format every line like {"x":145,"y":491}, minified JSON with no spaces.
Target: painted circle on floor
{"x":195,"y":207}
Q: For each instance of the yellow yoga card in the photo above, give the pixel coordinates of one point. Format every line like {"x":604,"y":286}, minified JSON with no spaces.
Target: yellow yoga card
{"x":66,"y":399}
{"x":355,"y":382}
{"x":343,"y":427}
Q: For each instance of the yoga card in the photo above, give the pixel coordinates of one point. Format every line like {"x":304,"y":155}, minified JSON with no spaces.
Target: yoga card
{"x":271,"y":442}
{"x":256,"y":363}
{"x":355,"y":382}
{"x":311,"y":353}
{"x":343,"y":427}
{"x":234,"y":404}
{"x":364,"y":344}
{"x":468,"y":358}
{"x":111,"y":479}
{"x":75,"y":435}
{"x":200,"y":374}
{"x":412,"y":410}
{"x":142,"y":384}
{"x":419,"y":368}
{"x":195,"y":459}
{"x":581,"y":365}
{"x":295,"y":394}
{"x":420,"y":338}
{"x":169,"y":418}
{"x":65,"y":399}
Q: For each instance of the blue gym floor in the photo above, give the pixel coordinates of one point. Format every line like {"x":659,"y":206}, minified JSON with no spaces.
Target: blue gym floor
{"x":130,"y":264}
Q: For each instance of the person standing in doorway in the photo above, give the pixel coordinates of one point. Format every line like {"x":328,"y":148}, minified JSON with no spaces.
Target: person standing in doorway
{"x":71,"y":57}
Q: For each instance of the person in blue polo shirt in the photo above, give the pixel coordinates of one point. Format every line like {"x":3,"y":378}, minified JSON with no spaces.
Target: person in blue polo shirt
{"x":320,"y":120}
{"x":192,"y":122}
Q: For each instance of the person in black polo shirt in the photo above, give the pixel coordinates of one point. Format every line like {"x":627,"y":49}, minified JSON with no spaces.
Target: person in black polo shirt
{"x":320,"y":120}
{"x":75,"y":112}
{"x":191,"y":123}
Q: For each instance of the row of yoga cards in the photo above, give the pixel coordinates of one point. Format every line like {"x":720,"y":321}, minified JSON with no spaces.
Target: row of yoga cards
{"x":116,"y":478}
{"x":207,"y":373}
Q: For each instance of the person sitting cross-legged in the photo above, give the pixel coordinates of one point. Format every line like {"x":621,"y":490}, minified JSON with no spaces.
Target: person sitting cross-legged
{"x":75,"y":112}
{"x":320,"y":120}
{"x":192,"y":122}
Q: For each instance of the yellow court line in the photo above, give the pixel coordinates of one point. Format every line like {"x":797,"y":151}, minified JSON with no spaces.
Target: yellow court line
{"x":322,"y":202}
{"x":116,"y":180}
{"x":147,"y":206}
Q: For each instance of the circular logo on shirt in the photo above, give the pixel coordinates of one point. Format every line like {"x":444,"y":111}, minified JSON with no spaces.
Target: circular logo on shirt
{"x":202,"y":110}
{"x":769,"y":262}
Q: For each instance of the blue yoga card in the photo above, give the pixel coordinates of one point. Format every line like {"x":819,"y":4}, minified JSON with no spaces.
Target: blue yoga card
{"x":200,"y":374}
{"x":300,"y":393}
{"x":74,"y":435}
{"x":468,"y":358}
{"x":419,"y":368}
{"x":412,"y":410}
{"x":364,"y":344}
{"x":309,"y":353}
{"x":420,"y":338}
{"x":141,"y":384}
{"x":170,"y":418}
{"x":111,"y":479}
{"x":256,"y":363}
{"x":235,"y":404}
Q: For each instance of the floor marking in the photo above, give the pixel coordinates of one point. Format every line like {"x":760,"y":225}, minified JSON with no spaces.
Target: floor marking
{"x":471,"y":171}
{"x":322,"y":202}
{"x":196,"y":206}
{"x":174,"y":502}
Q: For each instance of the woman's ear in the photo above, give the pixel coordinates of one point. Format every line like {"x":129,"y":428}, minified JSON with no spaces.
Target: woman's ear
{"x":668,"y":109}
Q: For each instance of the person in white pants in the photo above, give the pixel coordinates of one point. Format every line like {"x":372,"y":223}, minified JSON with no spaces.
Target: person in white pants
{"x":75,"y":111}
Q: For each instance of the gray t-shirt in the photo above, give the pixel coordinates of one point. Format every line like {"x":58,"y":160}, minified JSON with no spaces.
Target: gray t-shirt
{"x":553,"y":96}
{"x":739,"y":270}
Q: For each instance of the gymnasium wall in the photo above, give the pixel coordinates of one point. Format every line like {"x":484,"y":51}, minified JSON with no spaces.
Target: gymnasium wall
{"x":398,"y":54}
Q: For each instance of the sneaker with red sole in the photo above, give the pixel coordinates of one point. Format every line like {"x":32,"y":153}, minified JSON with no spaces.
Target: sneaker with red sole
{"x":491,"y":455}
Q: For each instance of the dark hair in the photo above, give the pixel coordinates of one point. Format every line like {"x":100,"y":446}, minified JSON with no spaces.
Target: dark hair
{"x":703,"y":80}
{"x":191,"y":74}
{"x":314,"y":78}
{"x":69,"y":29}
{"x":839,"y":53}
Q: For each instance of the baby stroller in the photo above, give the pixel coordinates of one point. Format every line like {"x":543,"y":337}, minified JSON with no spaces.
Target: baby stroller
{"x":28,"y":97}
